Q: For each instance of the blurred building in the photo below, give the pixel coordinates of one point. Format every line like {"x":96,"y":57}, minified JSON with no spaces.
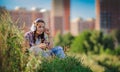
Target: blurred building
{"x":79,"y":25}
{"x":26,"y":17}
{"x":46,"y":17}
{"x":107,"y":15}
{"x":89,"y":24}
{"x":75,"y":26}
{"x":60,"y":16}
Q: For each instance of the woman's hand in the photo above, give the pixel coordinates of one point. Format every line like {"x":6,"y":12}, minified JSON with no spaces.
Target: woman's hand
{"x":47,"y":31}
{"x":42,"y":45}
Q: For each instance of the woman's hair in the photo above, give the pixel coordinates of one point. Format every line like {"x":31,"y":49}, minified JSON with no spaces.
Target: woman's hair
{"x":41,"y":36}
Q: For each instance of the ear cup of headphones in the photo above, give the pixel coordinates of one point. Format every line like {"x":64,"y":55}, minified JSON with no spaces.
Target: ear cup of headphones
{"x":33,"y":27}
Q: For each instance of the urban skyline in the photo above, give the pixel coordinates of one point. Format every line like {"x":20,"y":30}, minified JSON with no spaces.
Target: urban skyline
{"x":78,"y":8}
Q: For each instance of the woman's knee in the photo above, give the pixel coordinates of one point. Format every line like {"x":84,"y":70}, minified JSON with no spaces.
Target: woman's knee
{"x":58,"y":51}
{"x":59,"y":47}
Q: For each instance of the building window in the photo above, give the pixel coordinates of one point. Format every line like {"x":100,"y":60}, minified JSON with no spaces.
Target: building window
{"x":105,"y":20}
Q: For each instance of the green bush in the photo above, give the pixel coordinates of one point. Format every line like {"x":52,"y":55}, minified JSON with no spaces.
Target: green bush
{"x":63,"y":40}
{"x":69,"y":64}
{"x":109,"y":51}
{"x":58,"y":39}
{"x":67,"y":39}
{"x":96,"y":41}
{"x":116,"y":35}
{"x":117,"y":50}
{"x":108,"y":42}
{"x":80,"y":43}
{"x":88,"y":42}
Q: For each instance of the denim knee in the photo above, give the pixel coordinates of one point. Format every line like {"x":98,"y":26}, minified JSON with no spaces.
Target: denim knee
{"x":58,"y":51}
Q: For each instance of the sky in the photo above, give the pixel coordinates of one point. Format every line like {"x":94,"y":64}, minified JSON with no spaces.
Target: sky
{"x":83,"y":8}
{"x":78,"y":8}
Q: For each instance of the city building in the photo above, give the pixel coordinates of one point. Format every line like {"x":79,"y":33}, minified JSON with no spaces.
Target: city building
{"x":79,"y":25}
{"x":107,"y":15}
{"x":60,"y":16}
{"x":75,"y":26}
{"x":24,"y":18}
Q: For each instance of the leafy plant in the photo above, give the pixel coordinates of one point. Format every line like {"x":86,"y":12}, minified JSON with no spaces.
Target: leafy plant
{"x":13,"y":57}
{"x":69,"y":64}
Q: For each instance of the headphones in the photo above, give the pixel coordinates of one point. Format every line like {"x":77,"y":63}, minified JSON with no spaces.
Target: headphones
{"x":33,"y":27}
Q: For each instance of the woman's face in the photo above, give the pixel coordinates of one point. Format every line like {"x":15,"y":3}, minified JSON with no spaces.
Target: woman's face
{"x":40,"y":28}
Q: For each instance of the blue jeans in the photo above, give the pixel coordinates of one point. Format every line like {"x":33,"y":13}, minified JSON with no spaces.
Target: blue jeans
{"x":58,"y":51}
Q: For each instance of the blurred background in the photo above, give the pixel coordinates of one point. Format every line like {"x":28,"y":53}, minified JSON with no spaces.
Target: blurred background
{"x":60,"y":15}
{"x":90,"y":29}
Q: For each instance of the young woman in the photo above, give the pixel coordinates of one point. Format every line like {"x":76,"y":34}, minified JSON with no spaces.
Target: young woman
{"x":40,"y":40}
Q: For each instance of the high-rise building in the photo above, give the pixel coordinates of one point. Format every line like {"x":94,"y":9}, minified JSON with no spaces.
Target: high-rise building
{"x":107,"y":15}
{"x":60,"y":16}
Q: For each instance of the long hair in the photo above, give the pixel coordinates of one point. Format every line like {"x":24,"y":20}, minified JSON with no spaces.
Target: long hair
{"x":41,"y":36}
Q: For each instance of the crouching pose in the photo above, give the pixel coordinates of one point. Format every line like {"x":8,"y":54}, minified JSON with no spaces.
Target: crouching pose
{"x":40,"y":41}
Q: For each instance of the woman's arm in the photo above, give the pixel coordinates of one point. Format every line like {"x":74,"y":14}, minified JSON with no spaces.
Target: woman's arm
{"x":50,"y":39}
{"x":29,"y":44}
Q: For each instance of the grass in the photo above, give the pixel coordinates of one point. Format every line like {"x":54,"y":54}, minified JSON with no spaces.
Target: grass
{"x":100,"y":63}
{"x":10,"y":44}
